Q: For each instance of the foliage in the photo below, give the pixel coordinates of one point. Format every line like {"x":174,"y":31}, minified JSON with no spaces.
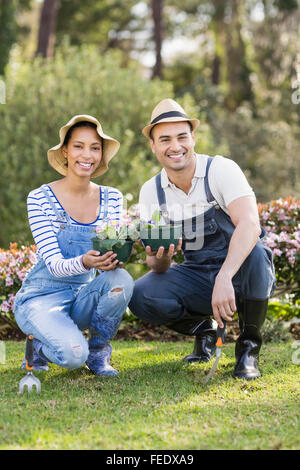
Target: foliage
{"x":14,"y":264}
{"x":8,"y":28}
{"x":127,"y":229}
{"x":273,"y":331}
{"x":55,"y":90}
{"x":105,"y":23}
{"x":283,"y":310}
{"x":281,"y":219}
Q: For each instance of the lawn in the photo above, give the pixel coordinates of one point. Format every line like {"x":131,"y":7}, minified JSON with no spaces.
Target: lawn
{"x":157,"y":402}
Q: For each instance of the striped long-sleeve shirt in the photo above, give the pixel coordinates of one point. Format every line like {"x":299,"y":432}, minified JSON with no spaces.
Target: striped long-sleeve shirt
{"x":44,"y":228}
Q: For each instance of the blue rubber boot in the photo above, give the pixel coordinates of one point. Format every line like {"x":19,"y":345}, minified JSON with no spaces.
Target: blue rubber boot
{"x":98,"y":361}
{"x":39,"y":363}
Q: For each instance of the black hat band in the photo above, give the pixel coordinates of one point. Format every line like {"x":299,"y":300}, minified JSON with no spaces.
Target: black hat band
{"x":169,"y":114}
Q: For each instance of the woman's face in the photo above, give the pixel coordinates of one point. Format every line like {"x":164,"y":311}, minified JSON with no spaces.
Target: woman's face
{"x":83,"y":151}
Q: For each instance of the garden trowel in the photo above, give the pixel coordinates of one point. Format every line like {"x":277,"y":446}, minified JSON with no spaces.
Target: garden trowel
{"x":29,"y":381}
{"x":219,"y":344}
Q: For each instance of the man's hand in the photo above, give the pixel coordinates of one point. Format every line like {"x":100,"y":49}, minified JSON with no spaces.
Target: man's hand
{"x":223,"y":299}
{"x":106,"y":262}
{"x":160,"y":260}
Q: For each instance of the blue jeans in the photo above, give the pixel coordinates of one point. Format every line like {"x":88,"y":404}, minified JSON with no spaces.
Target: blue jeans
{"x":57,"y":316}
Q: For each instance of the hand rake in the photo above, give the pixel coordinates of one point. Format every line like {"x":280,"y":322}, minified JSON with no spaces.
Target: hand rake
{"x":219,"y":344}
{"x":29,"y":381}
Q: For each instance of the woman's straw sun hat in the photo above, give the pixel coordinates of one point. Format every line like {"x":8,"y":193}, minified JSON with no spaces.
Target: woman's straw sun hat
{"x":110,"y":147}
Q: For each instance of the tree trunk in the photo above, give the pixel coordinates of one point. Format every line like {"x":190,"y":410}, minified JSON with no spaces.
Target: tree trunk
{"x":218,"y":30}
{"x":8,"y":31}
{"x":157,"y":8}
{"x":238,"y":71}
{"x":47,"y":28}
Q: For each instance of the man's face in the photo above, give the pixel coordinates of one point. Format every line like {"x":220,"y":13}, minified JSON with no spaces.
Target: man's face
{"x":173,"y":144}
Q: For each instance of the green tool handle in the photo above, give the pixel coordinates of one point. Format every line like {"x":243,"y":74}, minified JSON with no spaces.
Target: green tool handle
{"x":29,"y":352}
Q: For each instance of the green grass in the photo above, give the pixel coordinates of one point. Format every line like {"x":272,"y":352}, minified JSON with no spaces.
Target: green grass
{"x":157,"y":402}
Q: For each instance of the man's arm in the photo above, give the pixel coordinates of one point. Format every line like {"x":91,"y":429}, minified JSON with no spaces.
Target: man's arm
{"x":244,"y":215}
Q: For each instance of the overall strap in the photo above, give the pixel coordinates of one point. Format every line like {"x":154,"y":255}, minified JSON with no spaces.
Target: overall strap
{"x":162,"y":199}
{"x":62,"y":216}
{"x":209,"y":195}
{"x":105,"y":202}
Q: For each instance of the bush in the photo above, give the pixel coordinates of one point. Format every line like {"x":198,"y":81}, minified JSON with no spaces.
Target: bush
{"x":274,"y":331}
{"x":281,"y":219}
{"x":14,"y":264}
{"x":42,"y":95}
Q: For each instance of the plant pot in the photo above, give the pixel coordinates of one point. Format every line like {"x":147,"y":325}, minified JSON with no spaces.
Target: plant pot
{"x":122,"y":248}
{"x":163,"y":235}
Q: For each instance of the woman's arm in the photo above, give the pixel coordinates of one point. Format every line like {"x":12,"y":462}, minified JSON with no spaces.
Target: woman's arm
{"x":45,"y":238}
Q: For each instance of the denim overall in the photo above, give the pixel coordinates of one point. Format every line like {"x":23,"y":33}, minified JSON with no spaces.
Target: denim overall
{"x":54,"y":310}
{"x":163,"y":298}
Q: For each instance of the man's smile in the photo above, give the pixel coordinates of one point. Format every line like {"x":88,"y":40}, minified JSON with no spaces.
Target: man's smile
{"x":176,"y":156}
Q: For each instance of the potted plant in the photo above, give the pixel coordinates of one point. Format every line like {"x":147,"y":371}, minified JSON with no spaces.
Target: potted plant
{"x":154,"y":234}
{"x":116,"y":237}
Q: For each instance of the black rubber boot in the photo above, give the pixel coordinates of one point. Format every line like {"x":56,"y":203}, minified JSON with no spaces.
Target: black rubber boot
{"x":205,"y":335}
{"x":204,"y":347}
{"x":252,"y":314}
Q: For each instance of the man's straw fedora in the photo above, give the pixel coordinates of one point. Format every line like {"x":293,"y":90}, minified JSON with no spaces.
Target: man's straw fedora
{"x":168,"y":110}
{"x":110,"y":147}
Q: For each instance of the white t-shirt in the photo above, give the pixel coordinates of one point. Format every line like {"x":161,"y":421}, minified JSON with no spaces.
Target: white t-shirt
{"x":226,"y":180}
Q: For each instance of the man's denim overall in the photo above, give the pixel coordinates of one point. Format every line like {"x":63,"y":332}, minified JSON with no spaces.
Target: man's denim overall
{"x":163,"y":298}
{"x":54,"y":310}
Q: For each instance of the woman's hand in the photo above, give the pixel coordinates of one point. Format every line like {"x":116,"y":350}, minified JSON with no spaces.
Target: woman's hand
{"x":106,"y":262}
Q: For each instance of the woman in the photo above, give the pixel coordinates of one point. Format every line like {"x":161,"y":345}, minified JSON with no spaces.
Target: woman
{"x":60,"y":295}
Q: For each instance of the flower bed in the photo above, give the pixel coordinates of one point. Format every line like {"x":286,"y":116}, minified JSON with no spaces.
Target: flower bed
{"x":280,"y":218}
{"x":14,"y":264}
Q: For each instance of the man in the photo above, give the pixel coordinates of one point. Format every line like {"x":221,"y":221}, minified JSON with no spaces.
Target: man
{"x":226,"y":267}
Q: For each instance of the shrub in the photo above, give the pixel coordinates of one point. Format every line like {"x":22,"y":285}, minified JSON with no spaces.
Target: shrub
{"x":42,"y":95}
{"x":281,"y":220}
{"x":14,"y":264}
{"x":274,"y":331}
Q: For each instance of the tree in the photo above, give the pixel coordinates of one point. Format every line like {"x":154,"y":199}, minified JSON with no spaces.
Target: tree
{"x":108,"y":24}
{"x":9,"y":27}
{"x":47,"y":28}
{"x":157,"y":14}
{"x":237,"y":66}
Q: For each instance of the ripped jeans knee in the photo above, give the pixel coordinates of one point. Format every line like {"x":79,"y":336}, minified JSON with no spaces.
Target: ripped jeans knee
{"x":73,"y":354}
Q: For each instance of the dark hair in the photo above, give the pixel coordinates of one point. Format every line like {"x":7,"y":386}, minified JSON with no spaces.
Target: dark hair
{"x":150,"y":133}
{"x":75,"y":126}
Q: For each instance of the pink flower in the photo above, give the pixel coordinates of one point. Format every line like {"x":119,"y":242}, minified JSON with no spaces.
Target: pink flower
{"x":9,"y":281}
{"x":5,"y":307}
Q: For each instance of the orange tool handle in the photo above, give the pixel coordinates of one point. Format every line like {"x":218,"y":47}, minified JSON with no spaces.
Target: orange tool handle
{"x":221,"y":335}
